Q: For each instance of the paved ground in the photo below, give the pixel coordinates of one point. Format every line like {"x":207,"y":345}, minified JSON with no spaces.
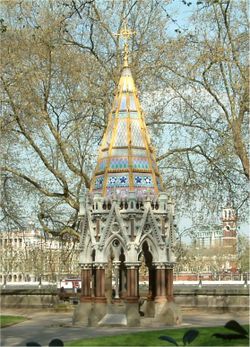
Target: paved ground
{"x":43,"y":326}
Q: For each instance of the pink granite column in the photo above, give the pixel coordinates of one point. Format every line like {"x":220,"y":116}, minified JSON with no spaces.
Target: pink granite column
{"x":100,"y":285}
{"x":160,"y":284}
{"x":170,"y":281}
{"x":86,"y":280}
{"x":132,"y":284}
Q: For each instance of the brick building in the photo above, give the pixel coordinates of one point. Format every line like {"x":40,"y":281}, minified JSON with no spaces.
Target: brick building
{"x":213,"y":252}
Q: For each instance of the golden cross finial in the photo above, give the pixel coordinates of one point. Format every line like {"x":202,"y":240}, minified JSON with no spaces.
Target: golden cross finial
{"x":125,"y":33}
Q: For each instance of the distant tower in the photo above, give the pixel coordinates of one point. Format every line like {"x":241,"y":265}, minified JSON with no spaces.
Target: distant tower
{"x":229,"y":220}
{"x":126,"y":215}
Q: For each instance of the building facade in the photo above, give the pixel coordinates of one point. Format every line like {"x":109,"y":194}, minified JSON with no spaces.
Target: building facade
{"x":213,"y":252}
{"x":31,"y":256}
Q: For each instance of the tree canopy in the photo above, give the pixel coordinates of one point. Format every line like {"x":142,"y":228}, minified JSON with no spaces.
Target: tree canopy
{"x":61,"y":61}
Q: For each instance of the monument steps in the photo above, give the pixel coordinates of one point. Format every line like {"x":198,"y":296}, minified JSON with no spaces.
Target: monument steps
{"x":113,"y":320}
{"x":116,"y":308}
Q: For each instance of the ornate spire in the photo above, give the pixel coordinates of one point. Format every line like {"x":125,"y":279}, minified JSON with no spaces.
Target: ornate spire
{"x":125,"y":33}
{"x":126,"y":161}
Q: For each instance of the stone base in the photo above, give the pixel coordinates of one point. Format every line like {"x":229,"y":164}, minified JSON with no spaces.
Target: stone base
{"x":168,"y":313}
{"x":148,"y":308}
{"x":98,"y":311}
{"x":81,"y":314}
{"x":132,"y":313}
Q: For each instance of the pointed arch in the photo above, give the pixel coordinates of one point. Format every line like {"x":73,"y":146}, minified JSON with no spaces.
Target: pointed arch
{"x":108,"y":243}
{"x":152,"y":246}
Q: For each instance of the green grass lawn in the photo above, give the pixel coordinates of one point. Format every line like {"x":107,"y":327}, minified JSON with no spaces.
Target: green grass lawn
{"x":6,"y":321}
{"x":151,"y":338}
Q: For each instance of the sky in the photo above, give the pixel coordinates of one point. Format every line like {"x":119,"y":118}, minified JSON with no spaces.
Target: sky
{"x":180,"y":13}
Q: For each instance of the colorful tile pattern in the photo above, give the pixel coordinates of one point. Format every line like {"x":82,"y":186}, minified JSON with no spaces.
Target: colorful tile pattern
{"x":143,"y":181}
{"x":119,"y":163}
{"x":118,"y":181}
{"x":140,"y":163}
{"x":125,"y":162}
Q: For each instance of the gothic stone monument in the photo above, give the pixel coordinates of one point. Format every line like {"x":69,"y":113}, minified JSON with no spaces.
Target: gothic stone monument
{"x":126,"y":215}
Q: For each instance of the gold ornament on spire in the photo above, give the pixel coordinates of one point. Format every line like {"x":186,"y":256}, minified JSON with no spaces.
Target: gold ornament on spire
{"x":126,"y":161}
{"x":126,"y":34}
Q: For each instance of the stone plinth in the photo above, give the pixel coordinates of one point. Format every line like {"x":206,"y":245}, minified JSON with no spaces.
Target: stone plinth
{"x":81,"y":314}
{"x":97,"y":313}
{"x":132,"y":313}
{"x":168,"y":313}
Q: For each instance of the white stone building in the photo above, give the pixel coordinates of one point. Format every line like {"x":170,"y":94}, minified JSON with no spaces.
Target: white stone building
{"x":31,"y":256}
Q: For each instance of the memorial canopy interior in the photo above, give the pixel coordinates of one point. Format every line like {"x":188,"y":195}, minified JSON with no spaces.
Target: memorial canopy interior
{"x":126,"y":214}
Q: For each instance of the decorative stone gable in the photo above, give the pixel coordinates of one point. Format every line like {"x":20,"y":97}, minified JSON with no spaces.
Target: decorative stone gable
{"x":127,"y":222}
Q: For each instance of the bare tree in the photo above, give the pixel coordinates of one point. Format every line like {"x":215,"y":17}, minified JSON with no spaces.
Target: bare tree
{"x":206,"y":105}
{"x":60,"y":62}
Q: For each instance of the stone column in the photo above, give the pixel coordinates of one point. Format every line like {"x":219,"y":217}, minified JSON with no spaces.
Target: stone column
{"x":170,"y":279}
{"x":117,"y":273}
{"x":100,"y":284}
{"x":166,"y":311}
{"x":132,"y":283}
{"x":161,"y":295}
{"x":99,"y":308}
{"x":83,"y":309}
{"x":86,"y":280}
{"x":132,"y":297}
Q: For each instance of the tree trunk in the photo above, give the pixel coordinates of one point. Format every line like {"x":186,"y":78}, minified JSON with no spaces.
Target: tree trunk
{"x":239,"y":146}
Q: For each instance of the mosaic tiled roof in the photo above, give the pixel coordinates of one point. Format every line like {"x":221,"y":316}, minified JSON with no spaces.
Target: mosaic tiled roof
{"x":126,"y":159}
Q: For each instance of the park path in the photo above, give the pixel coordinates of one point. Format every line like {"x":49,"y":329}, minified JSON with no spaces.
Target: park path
{"x":43,"y":326}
